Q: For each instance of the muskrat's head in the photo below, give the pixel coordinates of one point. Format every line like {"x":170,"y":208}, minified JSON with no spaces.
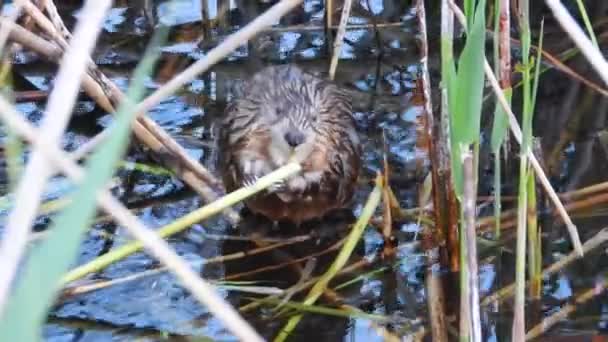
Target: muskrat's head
{"x":293,"y":124}
{"x":295,"y":109}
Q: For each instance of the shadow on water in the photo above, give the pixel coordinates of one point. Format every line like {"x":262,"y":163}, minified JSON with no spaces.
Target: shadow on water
{"x":379,"y":69}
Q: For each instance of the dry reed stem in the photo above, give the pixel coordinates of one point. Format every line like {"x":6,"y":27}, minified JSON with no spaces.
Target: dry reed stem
{"x":44,"y":23}
{"x":159,"y":248}
{"x":471,"y":303}
{"x":321,"y":28}
{"x":339,"y":41}
{"x":516,"y":130}
{"x":594,"y":56}
{"x":56,"y":20}
{"x":435,"y":294}
{"x":589,"y":194}
{"x":329,"y":13}
{"x":12,"y":18}
{"x":584,"y":192}
{"x":504,"y":45}
{"x":59,"y":109}
{"x":451,"y":213}
{"x":387,"y":218}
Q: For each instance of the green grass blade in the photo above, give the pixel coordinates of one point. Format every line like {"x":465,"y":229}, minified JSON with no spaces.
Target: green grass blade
{"x":500,"y":126}
{"x":470,"y":82}
{"x":588,"y":26}
{"x":465,"y":92}
{"x":538,"y":64}
{"x":46,"y":263}
{"x":469,"y":7}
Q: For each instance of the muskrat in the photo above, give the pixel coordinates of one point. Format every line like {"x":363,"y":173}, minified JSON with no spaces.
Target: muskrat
{"x":282,"y":113}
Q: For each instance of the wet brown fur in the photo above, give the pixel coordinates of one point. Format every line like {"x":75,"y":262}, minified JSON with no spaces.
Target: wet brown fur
{"x":276,"y":100}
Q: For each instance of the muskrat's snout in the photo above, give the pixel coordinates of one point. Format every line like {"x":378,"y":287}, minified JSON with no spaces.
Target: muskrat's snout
{"x":294,"y":138}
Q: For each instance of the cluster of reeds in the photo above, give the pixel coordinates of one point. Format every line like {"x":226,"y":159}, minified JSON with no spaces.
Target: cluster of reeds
{"x":24,"y":303}
{"x":462,"y":90}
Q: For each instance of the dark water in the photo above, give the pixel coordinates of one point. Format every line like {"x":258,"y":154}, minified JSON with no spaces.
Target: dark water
{"x":380,"y":71}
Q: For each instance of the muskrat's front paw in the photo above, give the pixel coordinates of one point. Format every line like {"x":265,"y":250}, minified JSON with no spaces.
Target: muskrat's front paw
{"x":278,"y":186}
{"x":296,"y":185}
{"x":252,"y":170}
{"x":249,"y":180}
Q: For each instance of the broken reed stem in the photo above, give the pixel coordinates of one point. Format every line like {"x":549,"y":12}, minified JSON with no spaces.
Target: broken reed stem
{"x":339,"y":41}
{"x":516,"y":130}
{"x":345,"y":311}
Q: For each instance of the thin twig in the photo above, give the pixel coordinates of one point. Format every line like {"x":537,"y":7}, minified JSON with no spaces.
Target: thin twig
{"x":339,"y":41}
{"x":307,"y":27}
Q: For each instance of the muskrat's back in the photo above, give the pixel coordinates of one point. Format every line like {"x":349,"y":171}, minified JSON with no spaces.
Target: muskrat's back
{"x":286,"y":114}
